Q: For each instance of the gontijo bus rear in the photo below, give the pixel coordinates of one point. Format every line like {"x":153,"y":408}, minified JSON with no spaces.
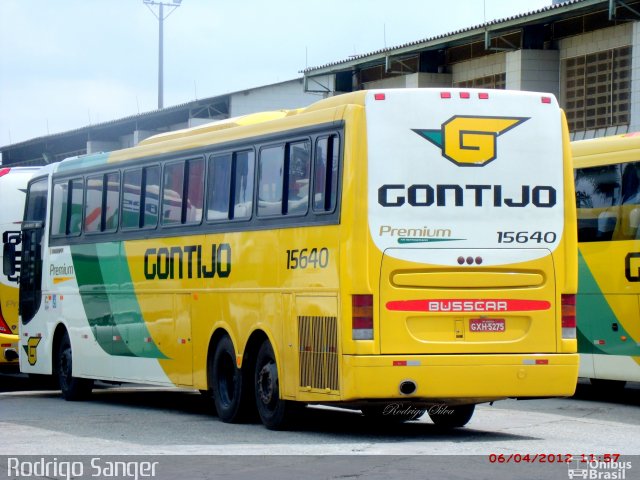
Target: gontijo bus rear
{"x":414,"y":247}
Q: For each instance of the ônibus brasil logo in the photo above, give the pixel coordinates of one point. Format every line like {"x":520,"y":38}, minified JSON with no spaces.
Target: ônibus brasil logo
{"x":470,"y":141}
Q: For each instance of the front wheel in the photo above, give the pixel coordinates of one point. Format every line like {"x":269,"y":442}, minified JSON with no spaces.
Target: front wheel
{"x":447,"y":416}
{"x":275,"y":413}
{"x":72,"y":388}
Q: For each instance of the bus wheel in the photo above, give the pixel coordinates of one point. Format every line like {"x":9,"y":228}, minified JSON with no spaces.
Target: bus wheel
{"x":226,"y":382}
{"x":275,"y":413}
{"x":447,"y":416}
{"x":72,"y":388}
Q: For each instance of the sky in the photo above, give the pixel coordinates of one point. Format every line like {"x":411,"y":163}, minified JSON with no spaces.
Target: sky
{"x":66,"y":64}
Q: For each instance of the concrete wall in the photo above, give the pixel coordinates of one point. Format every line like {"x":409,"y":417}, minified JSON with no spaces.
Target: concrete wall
{"x":533,"y":71}
{"x":414,"y":80}
{"x":479,"y":67}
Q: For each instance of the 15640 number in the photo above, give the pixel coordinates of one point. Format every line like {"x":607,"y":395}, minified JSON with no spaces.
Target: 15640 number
{"x":307,"y":258}
{"x":526,"y":237}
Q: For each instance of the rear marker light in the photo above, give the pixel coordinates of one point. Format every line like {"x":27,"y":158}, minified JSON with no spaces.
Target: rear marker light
{"x":483,"y":96}
{"x":4,"y":171}
{"x":539,"y":361}
{"x":362,"y":317}
{"x":379,"y":96}
{"x":407,"y":363}
{"x":445,"y":94}
{"x":546,"y":99}
{"x":568,"y":316}
{"x":4,"y":326}
{"x":465,"y":95}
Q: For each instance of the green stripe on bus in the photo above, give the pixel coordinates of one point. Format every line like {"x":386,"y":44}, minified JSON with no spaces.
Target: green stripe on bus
{"x":601,"y":317}
{"x":105,"y":287}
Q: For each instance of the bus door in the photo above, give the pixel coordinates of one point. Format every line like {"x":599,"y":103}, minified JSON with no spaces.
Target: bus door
{"x":31,"y":261}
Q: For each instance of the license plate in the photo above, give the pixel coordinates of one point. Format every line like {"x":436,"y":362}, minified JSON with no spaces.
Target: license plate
{"x":487,"y":325}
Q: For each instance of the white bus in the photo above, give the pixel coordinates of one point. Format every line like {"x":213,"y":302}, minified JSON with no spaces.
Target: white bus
{"x":13,"y":186}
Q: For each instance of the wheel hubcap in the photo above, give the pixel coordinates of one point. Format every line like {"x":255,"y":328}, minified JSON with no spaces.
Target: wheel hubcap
{"x":266,"y":384}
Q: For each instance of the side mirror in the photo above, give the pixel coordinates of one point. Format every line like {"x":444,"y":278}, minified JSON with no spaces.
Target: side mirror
{"x":9,"y":260}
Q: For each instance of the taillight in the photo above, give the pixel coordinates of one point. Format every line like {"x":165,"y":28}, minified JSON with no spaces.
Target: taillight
{"x":362,"y":317}
{"x":568,"y":316}
{"x":4,"y":327}
{"x":4,"y":171}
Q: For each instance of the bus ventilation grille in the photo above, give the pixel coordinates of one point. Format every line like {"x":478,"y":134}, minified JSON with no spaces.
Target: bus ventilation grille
{"x":318,"y":340}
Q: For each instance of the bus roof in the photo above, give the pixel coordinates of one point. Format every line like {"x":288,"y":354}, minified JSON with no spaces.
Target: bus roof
{"x":606,"y":150}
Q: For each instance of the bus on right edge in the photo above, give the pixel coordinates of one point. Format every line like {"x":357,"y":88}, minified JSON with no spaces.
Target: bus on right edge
{"x":607,"y":176}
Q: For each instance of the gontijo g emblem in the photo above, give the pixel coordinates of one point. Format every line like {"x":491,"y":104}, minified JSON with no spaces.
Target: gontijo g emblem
{"x":470,"y":141}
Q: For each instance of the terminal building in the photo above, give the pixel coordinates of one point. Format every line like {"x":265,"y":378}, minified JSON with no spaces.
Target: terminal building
{"x":586,"y":52}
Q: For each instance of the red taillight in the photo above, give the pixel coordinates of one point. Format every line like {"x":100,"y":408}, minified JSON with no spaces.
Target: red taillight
{"x":568,"y":316}
{"x":445,"y":94}
{"x":465,"y":95}
{"x":546,"y":99}
{"x":483,"y":96}
{"x":362,"y":317}
{"x":379,"y":96}
{"x":4,"y":171}
{"x":4,"y":327}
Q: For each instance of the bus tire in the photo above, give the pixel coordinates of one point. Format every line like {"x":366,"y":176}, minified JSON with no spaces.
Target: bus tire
{"x":226,"y":383}
{"x":72,"y":388}
{"x":275,"y":413}
{"x":448,"y":416}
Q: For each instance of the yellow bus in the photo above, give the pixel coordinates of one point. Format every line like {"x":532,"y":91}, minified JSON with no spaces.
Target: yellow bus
{"x":13,"y":186}
{"x":392,"y":251}
{"x":607,"y":175}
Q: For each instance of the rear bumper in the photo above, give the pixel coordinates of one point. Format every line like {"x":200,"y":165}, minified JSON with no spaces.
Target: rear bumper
{"x":7,"y":343}
{"x":459,"y":378}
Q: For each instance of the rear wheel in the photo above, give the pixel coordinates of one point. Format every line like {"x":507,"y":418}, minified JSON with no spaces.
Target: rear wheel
{"x":447,"y":416}
{"x":227,"y":383}
{"x":275,"y":413}
{"x":72,"y":388}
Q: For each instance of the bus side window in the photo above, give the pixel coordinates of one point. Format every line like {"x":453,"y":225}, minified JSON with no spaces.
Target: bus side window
{"x":219,"y":187}
{"x":111,"y":201}
{"x":93,"y":204}
{"x":270,"y":180}
{"x":242,"y":184}
{"x":325,"y":184}
{"x":299,"y":156}
{"x":194,"y":191}
{"x":131,"y":193}
{"x":630,"y":200}
{"x":60,"y":208}
{"x":76,"y":210}
{"x":150,"y":202}
{"x":172,"y":188}
{"x":598,"y":202}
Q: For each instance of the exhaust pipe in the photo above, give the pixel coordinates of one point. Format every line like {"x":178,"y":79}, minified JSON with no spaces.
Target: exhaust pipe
{"x":10,"y":354}
{"x":408,"y":387}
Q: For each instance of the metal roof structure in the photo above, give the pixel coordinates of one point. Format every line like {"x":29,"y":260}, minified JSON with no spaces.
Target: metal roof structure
{"x":488,"y":30}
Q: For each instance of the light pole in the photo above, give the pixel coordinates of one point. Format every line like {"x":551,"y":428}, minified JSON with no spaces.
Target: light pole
{"x":161,"y":16}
